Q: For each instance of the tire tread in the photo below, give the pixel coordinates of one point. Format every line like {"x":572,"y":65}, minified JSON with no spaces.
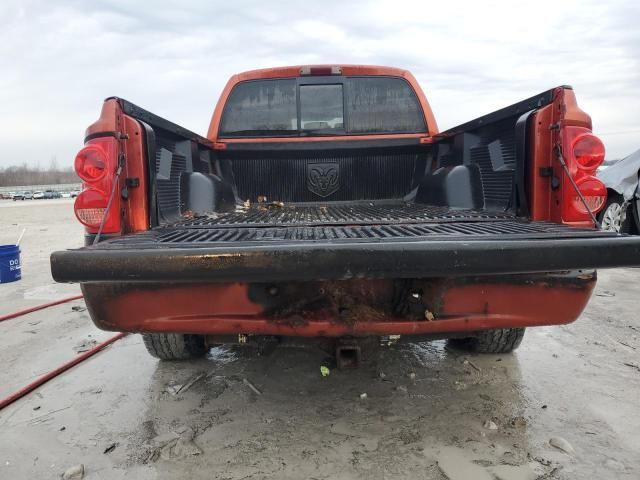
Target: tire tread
{"x":174,"y":346}
{"x":501,"y":340}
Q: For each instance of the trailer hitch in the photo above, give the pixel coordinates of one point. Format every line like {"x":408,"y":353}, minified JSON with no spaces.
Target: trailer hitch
{"x":348,"y":353}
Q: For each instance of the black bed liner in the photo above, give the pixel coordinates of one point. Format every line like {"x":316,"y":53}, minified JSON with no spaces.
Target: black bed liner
{"x":352,"y":213}
{"x":273,"y":223}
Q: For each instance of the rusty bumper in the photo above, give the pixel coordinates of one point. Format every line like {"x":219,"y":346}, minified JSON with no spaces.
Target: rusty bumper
{"x":342,"y":307}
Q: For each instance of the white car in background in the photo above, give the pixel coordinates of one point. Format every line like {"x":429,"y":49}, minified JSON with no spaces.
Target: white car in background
{"x":65,"y":194}
{"x":38,"y":195}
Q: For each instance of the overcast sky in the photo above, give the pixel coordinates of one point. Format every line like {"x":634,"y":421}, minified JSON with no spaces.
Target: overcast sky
{"x":61,"y":59}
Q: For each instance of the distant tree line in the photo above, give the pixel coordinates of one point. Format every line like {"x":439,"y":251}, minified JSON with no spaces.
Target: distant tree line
{"x":25,"y":175}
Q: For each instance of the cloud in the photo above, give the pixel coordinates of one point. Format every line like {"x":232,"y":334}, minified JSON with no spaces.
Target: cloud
{"x":61,"y":59}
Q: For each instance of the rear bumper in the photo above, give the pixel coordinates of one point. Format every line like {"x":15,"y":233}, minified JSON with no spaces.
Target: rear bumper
{"x":335,"y":260}
{"x":373,"y":307}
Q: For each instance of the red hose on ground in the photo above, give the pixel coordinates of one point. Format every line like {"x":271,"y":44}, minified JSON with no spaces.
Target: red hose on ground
{"x":38,"y":307}
{"x":53,"y":373}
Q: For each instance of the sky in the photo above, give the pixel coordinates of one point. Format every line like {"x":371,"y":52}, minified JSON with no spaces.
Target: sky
{"x":60,"y":59}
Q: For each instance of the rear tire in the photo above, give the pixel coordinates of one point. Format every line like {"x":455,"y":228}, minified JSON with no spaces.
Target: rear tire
{"x":174,"y":346}
{"x":501,"y":340}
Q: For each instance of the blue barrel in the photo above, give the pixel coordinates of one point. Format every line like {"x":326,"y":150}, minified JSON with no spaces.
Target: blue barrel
{"x":10,"y":263}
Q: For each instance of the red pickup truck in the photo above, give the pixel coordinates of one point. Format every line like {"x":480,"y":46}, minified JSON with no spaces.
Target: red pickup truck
{"x":325,"y":202}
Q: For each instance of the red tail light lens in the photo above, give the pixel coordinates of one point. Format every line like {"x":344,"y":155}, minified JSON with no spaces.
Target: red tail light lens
{"x":594,"y":193}
{"x":96,"y":165}
{"x":583,"y":153}
{"x":588,"y":151}
{"x":90,"y":207}
{"x":91,"y":163}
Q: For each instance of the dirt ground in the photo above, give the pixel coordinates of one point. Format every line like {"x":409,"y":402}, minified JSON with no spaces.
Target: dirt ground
{"x":429,"y":412}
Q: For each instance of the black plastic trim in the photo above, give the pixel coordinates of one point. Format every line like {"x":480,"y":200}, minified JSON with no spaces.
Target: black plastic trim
{"x":90,"y":237}
{"x":522,"y":157}
{"x":152,"y":119}
{"x":100,"y":135}
{"x":299,"y":262}
{"x":327,"y":144}
{"x":150,"y":147}
{"x":531,"y":103}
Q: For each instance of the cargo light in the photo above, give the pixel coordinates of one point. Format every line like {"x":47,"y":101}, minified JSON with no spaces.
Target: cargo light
{"x":321,"y":70}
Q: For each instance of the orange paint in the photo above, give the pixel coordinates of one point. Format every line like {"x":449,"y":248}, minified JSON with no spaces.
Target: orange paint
{"x":226,"y":309}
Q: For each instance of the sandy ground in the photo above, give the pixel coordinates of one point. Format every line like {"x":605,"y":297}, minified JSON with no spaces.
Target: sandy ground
{"x":427,"y":412}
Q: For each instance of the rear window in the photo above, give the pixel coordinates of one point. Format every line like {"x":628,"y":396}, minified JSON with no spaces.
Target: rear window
{"x":261,"y":108}
{"x":291,"y":107}
{"x":386,"y":105}
{"x":321,"y":108}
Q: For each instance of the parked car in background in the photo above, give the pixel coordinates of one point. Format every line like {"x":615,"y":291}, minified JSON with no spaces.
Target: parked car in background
{"x":52,"y":194}
{"x":620,"y":213}
{"x":17,"y":196}
{"x":66,"y":194}
{"x":75,"y":193}
{"x":38,"y":195}
{"x":28,"y":195}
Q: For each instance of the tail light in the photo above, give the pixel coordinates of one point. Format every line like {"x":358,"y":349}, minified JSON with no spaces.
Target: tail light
{"x":583,"y":153}
{"x":588,"y":151}
{"x":90,"y":163}
{"x":96,"y":165}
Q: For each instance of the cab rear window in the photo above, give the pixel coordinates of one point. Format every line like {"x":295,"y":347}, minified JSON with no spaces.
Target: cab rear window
{"x":333,"y":106}
{"x":260,"y":108}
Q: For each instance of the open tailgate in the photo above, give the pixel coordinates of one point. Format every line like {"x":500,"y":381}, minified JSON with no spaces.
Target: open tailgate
{"x":310,"y":243}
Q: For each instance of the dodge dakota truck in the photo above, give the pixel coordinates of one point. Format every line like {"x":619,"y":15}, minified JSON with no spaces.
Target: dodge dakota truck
{"x":324,"y":202}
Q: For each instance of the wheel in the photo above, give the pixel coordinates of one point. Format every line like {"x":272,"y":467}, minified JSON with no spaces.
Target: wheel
{"x":611,"y":215}
{"x":174,"y":346}
{"x":501,"y":340}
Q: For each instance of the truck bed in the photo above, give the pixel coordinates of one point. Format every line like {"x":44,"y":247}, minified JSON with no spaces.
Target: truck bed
{"x":273,"y":223}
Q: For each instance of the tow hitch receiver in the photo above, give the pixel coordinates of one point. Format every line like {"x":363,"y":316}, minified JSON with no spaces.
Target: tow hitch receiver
{"x":348,"y":354}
